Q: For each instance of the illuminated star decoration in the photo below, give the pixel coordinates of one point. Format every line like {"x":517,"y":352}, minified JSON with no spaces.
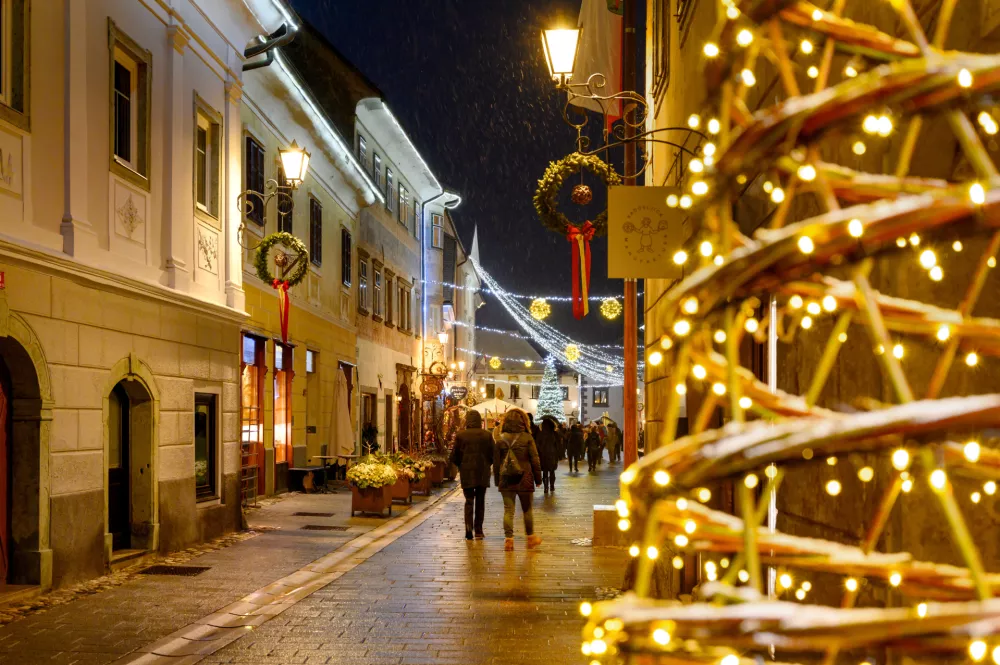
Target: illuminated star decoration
{"x":495,"y":363}
{"x":540,"y":308}
{"x":611,"y":308}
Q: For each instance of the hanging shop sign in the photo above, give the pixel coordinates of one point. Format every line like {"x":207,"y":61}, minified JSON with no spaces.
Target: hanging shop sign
{"x":644,"y":232}
{"x":459,"y":392}
{"x":430,"y":387}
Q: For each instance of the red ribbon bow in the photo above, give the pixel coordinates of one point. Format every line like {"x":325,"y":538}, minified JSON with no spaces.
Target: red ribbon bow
{"x":580,"y":254}
{"x":282,"y":289}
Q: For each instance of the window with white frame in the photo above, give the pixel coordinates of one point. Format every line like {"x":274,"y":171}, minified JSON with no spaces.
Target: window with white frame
{"x":13,"y":62}
{"x":390,"y":200}
{"x":377,"y":291}
{"x":600,"y":396}
{"x":363,"y":282}
{"x":401,"y":213}
{"x":206,"y":160}
{"x":437,"y":231}
{"x":310,"y":361}
{"x":130,"y":108}
{"x":390,"y":297}
{"x":377,"y":170}
{"x":362,"y":151}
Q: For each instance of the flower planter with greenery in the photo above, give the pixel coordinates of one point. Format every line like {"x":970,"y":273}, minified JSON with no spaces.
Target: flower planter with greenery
{"x":422,"y":482}
{"x":407,"y":475}
{"x":371,"y":486}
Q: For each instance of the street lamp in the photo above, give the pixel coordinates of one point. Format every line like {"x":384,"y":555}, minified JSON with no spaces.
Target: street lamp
{"x":561,"y":47}
{"x":294,"y":165}
{"x":443,"y":337}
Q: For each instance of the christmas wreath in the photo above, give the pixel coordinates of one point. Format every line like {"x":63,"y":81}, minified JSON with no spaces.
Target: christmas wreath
{"x":548,"y":190}
{"x":289,"y":242}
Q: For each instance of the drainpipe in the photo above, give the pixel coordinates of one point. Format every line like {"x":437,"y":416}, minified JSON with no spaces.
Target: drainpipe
{"x":279,"y":37}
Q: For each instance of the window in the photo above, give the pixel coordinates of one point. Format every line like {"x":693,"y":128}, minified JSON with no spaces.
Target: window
{"x":345,"y":256}
{"x":390,"y":296}
{"x":130,"y":107}
{"x":252,"y":371}
{"x":565,"y":391}
{"x":600,"y":396}
{"x":363,"y":283}
{"x":377,"y":170}
{"x":282,"y":403}
{"x":390,"y":201}
{"x":13,"y":62}
{"x":362,"y":150}
{"x":315,"y":232}
{"x":368,"y":404}
{"x":417,"y":219}
{"x":661,"y":48}
{"x":284,"y":203}
{"x":536,"y":390}
{"x":377,"y":295}
{"x":253,"y":164}
{"x":685,"y":12}
{"x":205,"y":445}
{"x":491,"y":390}
{"x":403,"y":316}
{"x":310,"y":361}
{"x":206,"y":159}
{"x":437,"y":232}
{"x":402,"y":213}
{"x":515,"y":391}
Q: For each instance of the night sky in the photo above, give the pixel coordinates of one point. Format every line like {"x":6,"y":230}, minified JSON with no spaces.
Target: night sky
{"x":468,"y":81}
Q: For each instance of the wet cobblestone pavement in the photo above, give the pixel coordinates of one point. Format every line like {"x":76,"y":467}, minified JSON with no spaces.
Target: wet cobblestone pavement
{"x":415,"y":593}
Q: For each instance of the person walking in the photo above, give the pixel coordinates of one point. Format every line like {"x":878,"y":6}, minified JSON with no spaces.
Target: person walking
{"x":575,"y":447}
{"x":615,"y":435}
{"x":593,"y":448}
{"x":548,"y":453}
{"x":516,"y":469}
{"x":473,"y":455}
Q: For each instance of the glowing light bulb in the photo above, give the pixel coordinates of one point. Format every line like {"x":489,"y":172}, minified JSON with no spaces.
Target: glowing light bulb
{"x":730,"y":660}
{"x":977,"y":194}
{"x":914,"y":239}
{"x":777,"y":195}
{"x":817,"y":15}
{"x":633,"y":551}
{"x":829,"y":303}
{"x":745,"y":402}
{"x":928,"y":259}
{"x":851,"y":584}
{"x":724,"y":562}
{"x":957,"y":245}
{"x":682,"y":327}
{"x":624,"y":525}
{"x":681,"y":389}
{"x":680,"y":257}
{"x":686,"y":202}
{"x":672,"y":200}
{"x":771,"y":471}
{"x":744,"y":576}
{"x":991,"y":262}
{"x":971,"y":451}
{"x":700,"y":188}
{"x":812,"y":72}
{"x":850,"y":71}
{"x":972,"y":359}
{"x":694,"y":121}
{"x":680,"y":540}
{"x":800,"y":594}
{"x":732,"y":13}
{"x":939,"y":480}
{"x":943,"y":333}
{"x":708,"y":149}
{"x":682,"y":503}
{"x":690,"y":526}
{"x":655,"y":358}
{"x":807,"y":172}
{"x":748,"y":78}
{"x":907,"y":485}
{"x":842,"y":337}
{"x":806,"y":46}
{"x":705,"y":248}
{"x":696,"y":166}
{"x":768,"y":186}
{"x":719,"y":389}
{"x":936,"y":273}
{"x":884,"y":125}
{"x":744,"y":37}
{"x":598,"y":647}
{"x":751,"y":325}
{"x":628,"y":476}
{"x":866,"y":474}
{"x":977,"y":650}
{"x":714,"y":126}
{"x":895,"y":579}
{"x":870,"y":124}
{"x":711,"y":50}
{"x":814,"y":308}
{"x":806,"y":322}
{"x":965,"y":78}
{"x":922,"y":610}
{"x":990,"y":488}
{"x":718,"y":260}
{"x":751,"y":480}
{"x":900,"y":242}
{"x":785,"y":581}
{"x":661,"y":478}
{"x":976,"y":497}
{"x":833,"y":487}
{"x":855,"y":228}
{"x":677,"y":562}
{"x":699,"y":372}
{"x":859,"y":148}
{"x":652,"y":552}
{"x":704,"y":494}
{"x":807,"y":586}
{"x":900,"y":459}
{"x":795,"y":302}
{"x":898,"y":351}
{"x":586,"y":608}
{"x":661,"y":637}
{"x":621,"y":507}
{"x":719,"y":336}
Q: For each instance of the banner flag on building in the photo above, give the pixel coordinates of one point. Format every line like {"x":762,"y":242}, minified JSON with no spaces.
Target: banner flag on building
{"x":600,"y":51}
{"x":644,"y":232}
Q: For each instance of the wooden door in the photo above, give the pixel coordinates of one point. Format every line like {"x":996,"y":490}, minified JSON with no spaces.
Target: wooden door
{"x":390,"y":415}
{"x":119,"y":490}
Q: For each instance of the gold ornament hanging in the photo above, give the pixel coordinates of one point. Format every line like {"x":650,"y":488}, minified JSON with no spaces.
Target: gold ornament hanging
{"x":610,"y":308}
{"x":528,"y":363}
{"x":540,"y":308}
{"x":495,"y":363}
{"x":572,"y":353}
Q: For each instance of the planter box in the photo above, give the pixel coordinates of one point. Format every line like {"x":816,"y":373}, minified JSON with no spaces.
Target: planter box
{"x":371,"y":500}
{"x":436,"y":473}
{"x":422,"y":486}
{"x":401,"y":490}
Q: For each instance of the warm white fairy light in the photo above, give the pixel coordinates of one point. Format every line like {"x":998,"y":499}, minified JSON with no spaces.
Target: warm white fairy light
{"x":744,"y":37}
{"x":971,"y":451}
{"x":914,"y":239}
{"x":661,"y":478}
{"x":708,"y":149}
{"x":745,"y":402}
{"x":817,"y":15}
{"x":922,"y":610}
{"x":842,"y":337}
{"x":777,"y":195}
{"x":938,"y":479}
{"x":806,"y":322}
{"x":677,"y":562}
{"x":705,"y":248}
{"x":652,"y":552}
{"x":972,"y":359}
{"x":870,"y":124}
{"x":907,"y":485}
{"x":661,"y":637}
{"x":976,"y":497}
{"x":719,"y":336}
{"x":694,"y":121}
{"x":751,"y":480}
{"x":900,"y":459}
{"x":850,"y":71}
{"x":812,"y":72}
{"x":977,"y":650}
{"x":699,"y":188}
{"x":628,"y":476}
{"x":884,"y":125}
{"x":624,"y":525}
{"x":851,"y":584}
{"x":743,"y":576}
{"x":672,"y":200}
{"x":751,"y":325}
{"x":680,"y":540}
{"x":991,"y":262}
{"x":714,"y":126}
{"x":586,"y":608}
{"x":928,"y":259}
{"x":943,"y":333}
{"x":977,"y":193}
{"x":680,"y":257}
{"x":795,"y":302}
{"x":655,"y":358}
{"x":898,"y":351}
{"x":719,"y":389}
{"x":681,"y":503}
{"x":718,"y":260}
{"x":855,"y":228}
{"x":699,"y":372}
{"x":807,"y":172}
{"x":696,"y":165}
{"x":633,"y":551}
{"x":965,"y":78}
{"x":806,"y":46}
{"x":806,"y":245}
{"x":710,"y":50}
{"x":681,"y":389}
{"x":900,"y":242}
{"x":686,"y":202}
{"x":866,"y":473}
{"x":987,"y":122}
{"x":732,"y":13}
{"x":895,"y":578}
{"x":957,"y":245}
{"x":682,"y":327}
{"x":800,"y":594}
{"x":785,"y":581}
{"x":829,"y":304}
{"x":990,"y":488}
{"x":814,"y":308}
{"x":833,"y":487}
{"x":748,"y":78}
{"x":768,"y":186}
{"x":690,"y":526}
{"x":704,"y":494}
{"x":771,"y":471}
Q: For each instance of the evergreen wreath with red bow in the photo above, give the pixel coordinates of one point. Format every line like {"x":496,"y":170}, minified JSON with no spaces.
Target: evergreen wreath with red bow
{"x":299,"y":255}
{"x":546,"y":199}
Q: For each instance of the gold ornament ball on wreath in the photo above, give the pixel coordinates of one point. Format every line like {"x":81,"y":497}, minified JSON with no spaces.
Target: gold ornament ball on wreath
{"x":540,"y":308}
{"x":572,"y":353}
{"x":611,"y":309}
{"x":495,"y":362}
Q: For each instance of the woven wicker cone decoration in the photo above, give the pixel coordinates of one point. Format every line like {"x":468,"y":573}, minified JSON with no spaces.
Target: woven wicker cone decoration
{"x":937,"y":611}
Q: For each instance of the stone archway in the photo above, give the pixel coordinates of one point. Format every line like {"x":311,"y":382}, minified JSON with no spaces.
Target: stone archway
{"x":131,"y":381}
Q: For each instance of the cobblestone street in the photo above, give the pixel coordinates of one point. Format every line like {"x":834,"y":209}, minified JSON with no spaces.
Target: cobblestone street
{"x":409,"y":591}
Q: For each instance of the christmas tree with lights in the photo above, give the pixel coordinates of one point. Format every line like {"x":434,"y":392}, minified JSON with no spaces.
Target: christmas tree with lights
{"x":550,"y":397}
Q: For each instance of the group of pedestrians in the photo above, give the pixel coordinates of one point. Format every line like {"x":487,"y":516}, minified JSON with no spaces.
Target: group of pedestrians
{"x":521,"y":455}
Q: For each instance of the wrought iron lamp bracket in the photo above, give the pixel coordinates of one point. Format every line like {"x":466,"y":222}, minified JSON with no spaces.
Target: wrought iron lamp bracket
{"x":249,"y":199}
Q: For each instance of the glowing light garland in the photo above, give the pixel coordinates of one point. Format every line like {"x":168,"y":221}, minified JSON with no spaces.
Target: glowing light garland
{"x":521,"y":296}
{"x":509,"y":333}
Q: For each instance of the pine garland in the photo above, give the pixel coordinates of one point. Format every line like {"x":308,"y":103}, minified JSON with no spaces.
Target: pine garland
{"x":290,"y":242}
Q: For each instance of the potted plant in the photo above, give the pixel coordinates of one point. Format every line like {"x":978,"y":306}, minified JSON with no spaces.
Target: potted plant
{"x":422,"y":480}
{"x":440,"y":461}
{"x":406,"y":476}
{"x":369,"y":439}
{"x":371,"y":482}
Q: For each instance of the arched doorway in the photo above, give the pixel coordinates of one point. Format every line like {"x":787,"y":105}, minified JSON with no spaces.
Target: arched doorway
{"x":130,"y":421}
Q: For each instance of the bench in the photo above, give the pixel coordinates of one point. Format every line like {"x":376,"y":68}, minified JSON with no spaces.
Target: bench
{"x":297,"y":476}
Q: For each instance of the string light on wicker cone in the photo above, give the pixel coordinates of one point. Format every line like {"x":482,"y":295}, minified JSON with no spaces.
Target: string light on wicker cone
{"x":851,"y":584}
{"x":938,"y":480}
{"x":895,"y":578}
{"x":710,"y":50}
{"x":833,"y":487}
{"x":987,"y":122}
{"x":744,"y":38}
{"x":611,"y":309}
{"x":900,"y":459}
{"x":812,"y":72}
{"x":680,"y":257}
{"x":971,"y":451}
{"x":686,"y":202}
{"x":540,"y":309}
{"x":972,"y":359}
{"x":977,"y":651}
{"x":977,"y":194}
{"x":694,"y":121}
{"x":814,"y":308}
{"x":777,"y":195}
{"x":654,"y":358}
{"x":990,"y":487}
{"x":964,"y":78}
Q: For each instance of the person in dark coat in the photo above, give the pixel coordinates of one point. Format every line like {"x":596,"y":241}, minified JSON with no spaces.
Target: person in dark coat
{"x":473,"y":455}
{"x":548,"y":453}
{"x":615,"y":434}
{"x":514,"y":436}
{"x":575,"y":447}
{"x":593,"y":448}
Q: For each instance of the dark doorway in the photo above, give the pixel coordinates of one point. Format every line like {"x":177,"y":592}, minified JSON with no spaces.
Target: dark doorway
{"x":5,"y":473}
{"x":404,"y":417}
{"x":119,"y":490}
